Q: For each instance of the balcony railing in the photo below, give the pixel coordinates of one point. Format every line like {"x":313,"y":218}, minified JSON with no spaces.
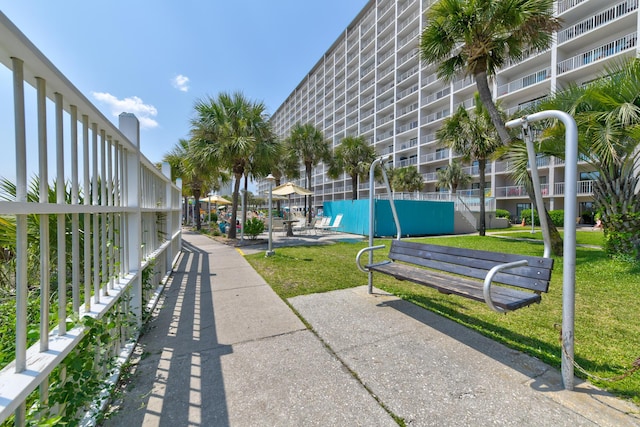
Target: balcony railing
{"x":584,"y":188}
{"x":384,"y":135}
{"x":386,"y":87}
{"x":435,"y":96}
{"x":408,"y":91}
{"x":565,"y":5}
{"x":408,"y":162}
{"x":598,"y":20}
{"x":408,"y":73}
{"x":525,"y":81}
{"x":404,"y":58}
{"x":525,"y":105}
{"x":412,"y":36}
{"x":408,"y":144}
{"x":429,"y":79}
{"x":437,"y":115}
{"x":114,"y":213}
{"x":385,"y":119}
{"x":624,"y":43}
{"x":407,"y":126}
{"x":438,"y":155}
{"x":408,"y":109}
{"x":428,"y":138}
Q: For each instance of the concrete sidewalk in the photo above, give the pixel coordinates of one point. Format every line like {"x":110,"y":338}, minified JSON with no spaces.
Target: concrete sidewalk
{"x":224,"y":350}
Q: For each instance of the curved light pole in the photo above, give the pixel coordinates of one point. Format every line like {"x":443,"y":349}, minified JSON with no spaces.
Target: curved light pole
{"x":271,"y":180}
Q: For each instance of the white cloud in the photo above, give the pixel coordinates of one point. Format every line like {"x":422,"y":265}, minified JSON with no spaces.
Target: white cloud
{"x":181,"y":83}
{"x":144,"y":112}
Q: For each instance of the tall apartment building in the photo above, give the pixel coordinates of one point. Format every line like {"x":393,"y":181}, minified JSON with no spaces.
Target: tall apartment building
{"x":371,"y":83}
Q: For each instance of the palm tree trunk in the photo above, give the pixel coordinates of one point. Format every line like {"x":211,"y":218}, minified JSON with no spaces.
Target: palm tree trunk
{"x":244,"y":197}
{"x":234,"y":206}
{"x":557,"y":247}
{"x":354,"y":185}
{"x":482,"y":83}
{"x":310,"y":198}
{"x":196,"y":196}
{"x":482,"y":163}
{"x":185,"y":210}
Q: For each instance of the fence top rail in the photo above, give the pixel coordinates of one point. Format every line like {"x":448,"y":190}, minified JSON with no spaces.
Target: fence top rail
{"x":14,"y":44}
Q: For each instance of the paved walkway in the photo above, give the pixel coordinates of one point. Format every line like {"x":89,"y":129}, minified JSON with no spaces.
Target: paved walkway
{"x":224,"y":350}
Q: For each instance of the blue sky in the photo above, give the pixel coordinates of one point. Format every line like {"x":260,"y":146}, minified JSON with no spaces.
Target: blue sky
{"x":156,"y":58}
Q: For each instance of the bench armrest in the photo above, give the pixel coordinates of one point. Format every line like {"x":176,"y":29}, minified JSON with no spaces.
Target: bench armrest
{"x":361,"y":252}
{"x":486,"y":290}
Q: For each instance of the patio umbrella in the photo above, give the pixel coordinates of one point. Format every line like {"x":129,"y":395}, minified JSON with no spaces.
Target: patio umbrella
{"x":274,"y":196}
{"x":288,"y":189}
{"x":218,"y":200}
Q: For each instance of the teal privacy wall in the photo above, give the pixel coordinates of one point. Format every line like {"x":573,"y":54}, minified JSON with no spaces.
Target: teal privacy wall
{"x":417,"y":217}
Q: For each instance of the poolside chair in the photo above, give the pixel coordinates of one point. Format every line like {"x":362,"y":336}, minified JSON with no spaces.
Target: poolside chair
{"x":320,"y":225}
{"x":335,"y":225}
{"x":304,"y":227}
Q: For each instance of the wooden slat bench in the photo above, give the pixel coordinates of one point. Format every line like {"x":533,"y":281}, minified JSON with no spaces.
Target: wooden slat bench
{"x":469,"y":273}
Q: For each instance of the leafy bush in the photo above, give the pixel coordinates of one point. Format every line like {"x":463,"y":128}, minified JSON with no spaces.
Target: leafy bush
{"x":253,"y":227}
{"x":503,"y":213}
{"x":557,"y":217}
{"x":213,"y":217}
{"x":526,"y":215}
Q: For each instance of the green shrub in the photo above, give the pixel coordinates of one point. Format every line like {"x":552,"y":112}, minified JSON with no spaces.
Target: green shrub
{"x":213,"y":217}
{"x":557,"y":217}
{"x":253,"y":227}
{"x":526,"y":215}
{"x":503,"y":213}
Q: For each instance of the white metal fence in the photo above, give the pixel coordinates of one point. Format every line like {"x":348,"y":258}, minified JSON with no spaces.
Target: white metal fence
{"x":84,"y":218}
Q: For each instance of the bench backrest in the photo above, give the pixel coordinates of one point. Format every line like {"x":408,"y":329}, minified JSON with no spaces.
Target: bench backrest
{"x":475,"y":263}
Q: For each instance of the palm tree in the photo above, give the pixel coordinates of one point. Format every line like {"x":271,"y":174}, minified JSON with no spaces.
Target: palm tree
{"x":309,"y":145}
{"x":196,"y":173}
{"x":229,"y":130}
{"x":176,"y":158}
{"x":607,"y":113}
{"x":406,"y":179}
{"x":284,"y":164}
{"x":517,"y":156}
{"x":452,"y":177}
{"x":478,"y":37}
{"x":474,"y":137}
{"x":354,"y":157}
{"x":260,"y":164}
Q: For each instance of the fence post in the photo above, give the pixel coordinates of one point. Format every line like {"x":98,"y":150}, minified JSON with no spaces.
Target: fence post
{"x":168,"y":208}
{"x":130,"y":127}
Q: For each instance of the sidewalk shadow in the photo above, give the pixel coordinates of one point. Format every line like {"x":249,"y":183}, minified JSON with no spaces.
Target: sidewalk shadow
{"x":177,"y":379}
{"x":527,"y":365}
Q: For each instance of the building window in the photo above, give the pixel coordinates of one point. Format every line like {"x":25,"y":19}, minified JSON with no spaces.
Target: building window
{"x":589,"y":176}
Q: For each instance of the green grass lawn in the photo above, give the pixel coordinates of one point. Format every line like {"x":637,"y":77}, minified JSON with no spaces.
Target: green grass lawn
{"x":607,"y":328}
{"x":592,"y":238}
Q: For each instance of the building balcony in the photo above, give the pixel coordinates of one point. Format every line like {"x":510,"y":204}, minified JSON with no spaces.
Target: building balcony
{"x":529,"y":80}
{"x":627,"y":42}
{"x":407,"y":162}
{"x":585,"y":188}
{"x":432,"y":157}
{"x":565,"y":5}
{"x":598,"y":20}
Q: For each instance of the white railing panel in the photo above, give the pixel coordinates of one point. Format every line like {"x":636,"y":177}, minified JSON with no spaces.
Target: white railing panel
{"x":97,"y":201}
